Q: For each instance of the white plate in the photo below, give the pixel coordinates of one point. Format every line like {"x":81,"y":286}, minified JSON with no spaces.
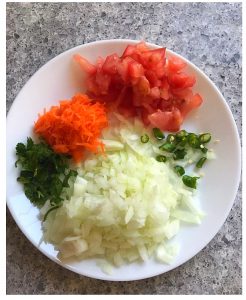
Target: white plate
{"x":58,"y":80}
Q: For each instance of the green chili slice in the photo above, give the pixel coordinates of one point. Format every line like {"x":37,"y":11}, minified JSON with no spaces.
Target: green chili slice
{"x":182,"y":141}
{"x":193,"y":140}
{"x":167,"y":147}
{"x":144,"y":138}
{"x":171,"y":138}
{"x":181,"y":134}
{"x":204,"y":149}
{"x":201,"y":162}
{"x":161,"y":158}
{"x":205,"y":138}
{"x":158,"y":134}
{"x":179,"y":154}
{"x":190,"y":181}
{"x":179,"y":170}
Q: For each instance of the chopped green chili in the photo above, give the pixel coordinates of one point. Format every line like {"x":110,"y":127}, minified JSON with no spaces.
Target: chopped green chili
{"x":178,"y":144}
{"x":201,"y":162}
{"x":167,"y":147}
{"x":171,"y":138}
{"x":158,"y":134}
{"x":181,"y":134}
{"x":193,"y":140}
{"x":182,"y":141}
{"x":144,"y":138}
{"x":179,"y":154}
{"x":179,"y":170}
{"x":161,"y":158}
{"x":204,"y":149}
{"x":205,"y":138}
{"x":190,"y":181}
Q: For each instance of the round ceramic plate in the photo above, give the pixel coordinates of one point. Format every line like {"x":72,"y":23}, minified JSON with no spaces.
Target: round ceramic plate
{"x":58,"y":80}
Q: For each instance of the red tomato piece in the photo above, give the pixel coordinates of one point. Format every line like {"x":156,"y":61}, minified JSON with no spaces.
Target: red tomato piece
{"x":141,"y":47}
{"x":182,"y":93}
{"x":164,"y":89}
{"x":175,"y":64}
{"x":85,"y":65}
{"x":135,"y":70}
{"x":151,"y":58}
{"x":155,"y":93}
{"x":197,"y":100}
{"x":181,"y":80}
{"x":118,"y":100}
{"x":167,"y":105}
{"x":136,"y":99}
{"x":127,"y":112}
{"x":103,"y":81}
{"x":110,"y":64}
{"x":152,"y":78}
{"x":133,"y":49}
{"x":167,"y":120}
{"x":99,"y":63}
{"x":190,"y":103}
{"x":123,"y":68}
{"x":160,"y":70}
{"x":130,"y":49}
{"x":164,"y":93}
{"x":126,"y":107}
{"x":91,"y":85}
{"x":142,"y":87}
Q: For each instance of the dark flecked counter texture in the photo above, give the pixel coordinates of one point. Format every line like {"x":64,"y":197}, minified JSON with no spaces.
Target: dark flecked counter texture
{"x":209,"y":35}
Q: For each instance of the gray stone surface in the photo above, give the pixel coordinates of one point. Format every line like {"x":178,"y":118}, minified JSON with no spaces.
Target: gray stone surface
{"x":207,"y":34}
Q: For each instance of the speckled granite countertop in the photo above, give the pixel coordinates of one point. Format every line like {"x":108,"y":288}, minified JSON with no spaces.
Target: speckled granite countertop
{"x":207,"y":34}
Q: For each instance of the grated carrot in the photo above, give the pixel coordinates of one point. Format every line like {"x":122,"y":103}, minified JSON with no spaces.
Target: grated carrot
{"x":73,"y":126}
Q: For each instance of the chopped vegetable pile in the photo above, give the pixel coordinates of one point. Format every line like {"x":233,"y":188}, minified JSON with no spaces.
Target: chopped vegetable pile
{"x":124,"y":207}
{"x":143,"y":82}
{"x":73,"y":126}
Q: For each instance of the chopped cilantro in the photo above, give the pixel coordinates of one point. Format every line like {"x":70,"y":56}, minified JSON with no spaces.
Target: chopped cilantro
{"x":44,"y":173}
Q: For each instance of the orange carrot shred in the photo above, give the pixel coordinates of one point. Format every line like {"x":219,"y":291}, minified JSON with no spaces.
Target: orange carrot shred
{"x":74,"y":126}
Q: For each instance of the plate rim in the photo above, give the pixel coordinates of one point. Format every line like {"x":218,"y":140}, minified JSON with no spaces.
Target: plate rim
{"x":238,"y":146}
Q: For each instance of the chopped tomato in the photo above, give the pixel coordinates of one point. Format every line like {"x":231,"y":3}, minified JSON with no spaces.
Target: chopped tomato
{"x":85,"y":65}
{"x":141,"y":47}
{"x":129,"y":51}
{"x":189,"y":104}
{"x":164,"y":93}
{"x":164,"y":89}
{"x":91,"y":85}
{"x":103,"y":82}
{"x":110,"y":64}
{"x":181,"y":93}
{"x":153,"y":79}
{"x":135,"y":70}
{"x":132,"y":51}
{"x":175,"y":64}
{"x":143,"y":81}
{"x":123,"y":68}
{"x":166,"y":120}
{"x":143,"y":86}
{"x":181,"y":80}
{"x":155,"y":93}
{"x":152,"y":58}
{"x":99,"y":63}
